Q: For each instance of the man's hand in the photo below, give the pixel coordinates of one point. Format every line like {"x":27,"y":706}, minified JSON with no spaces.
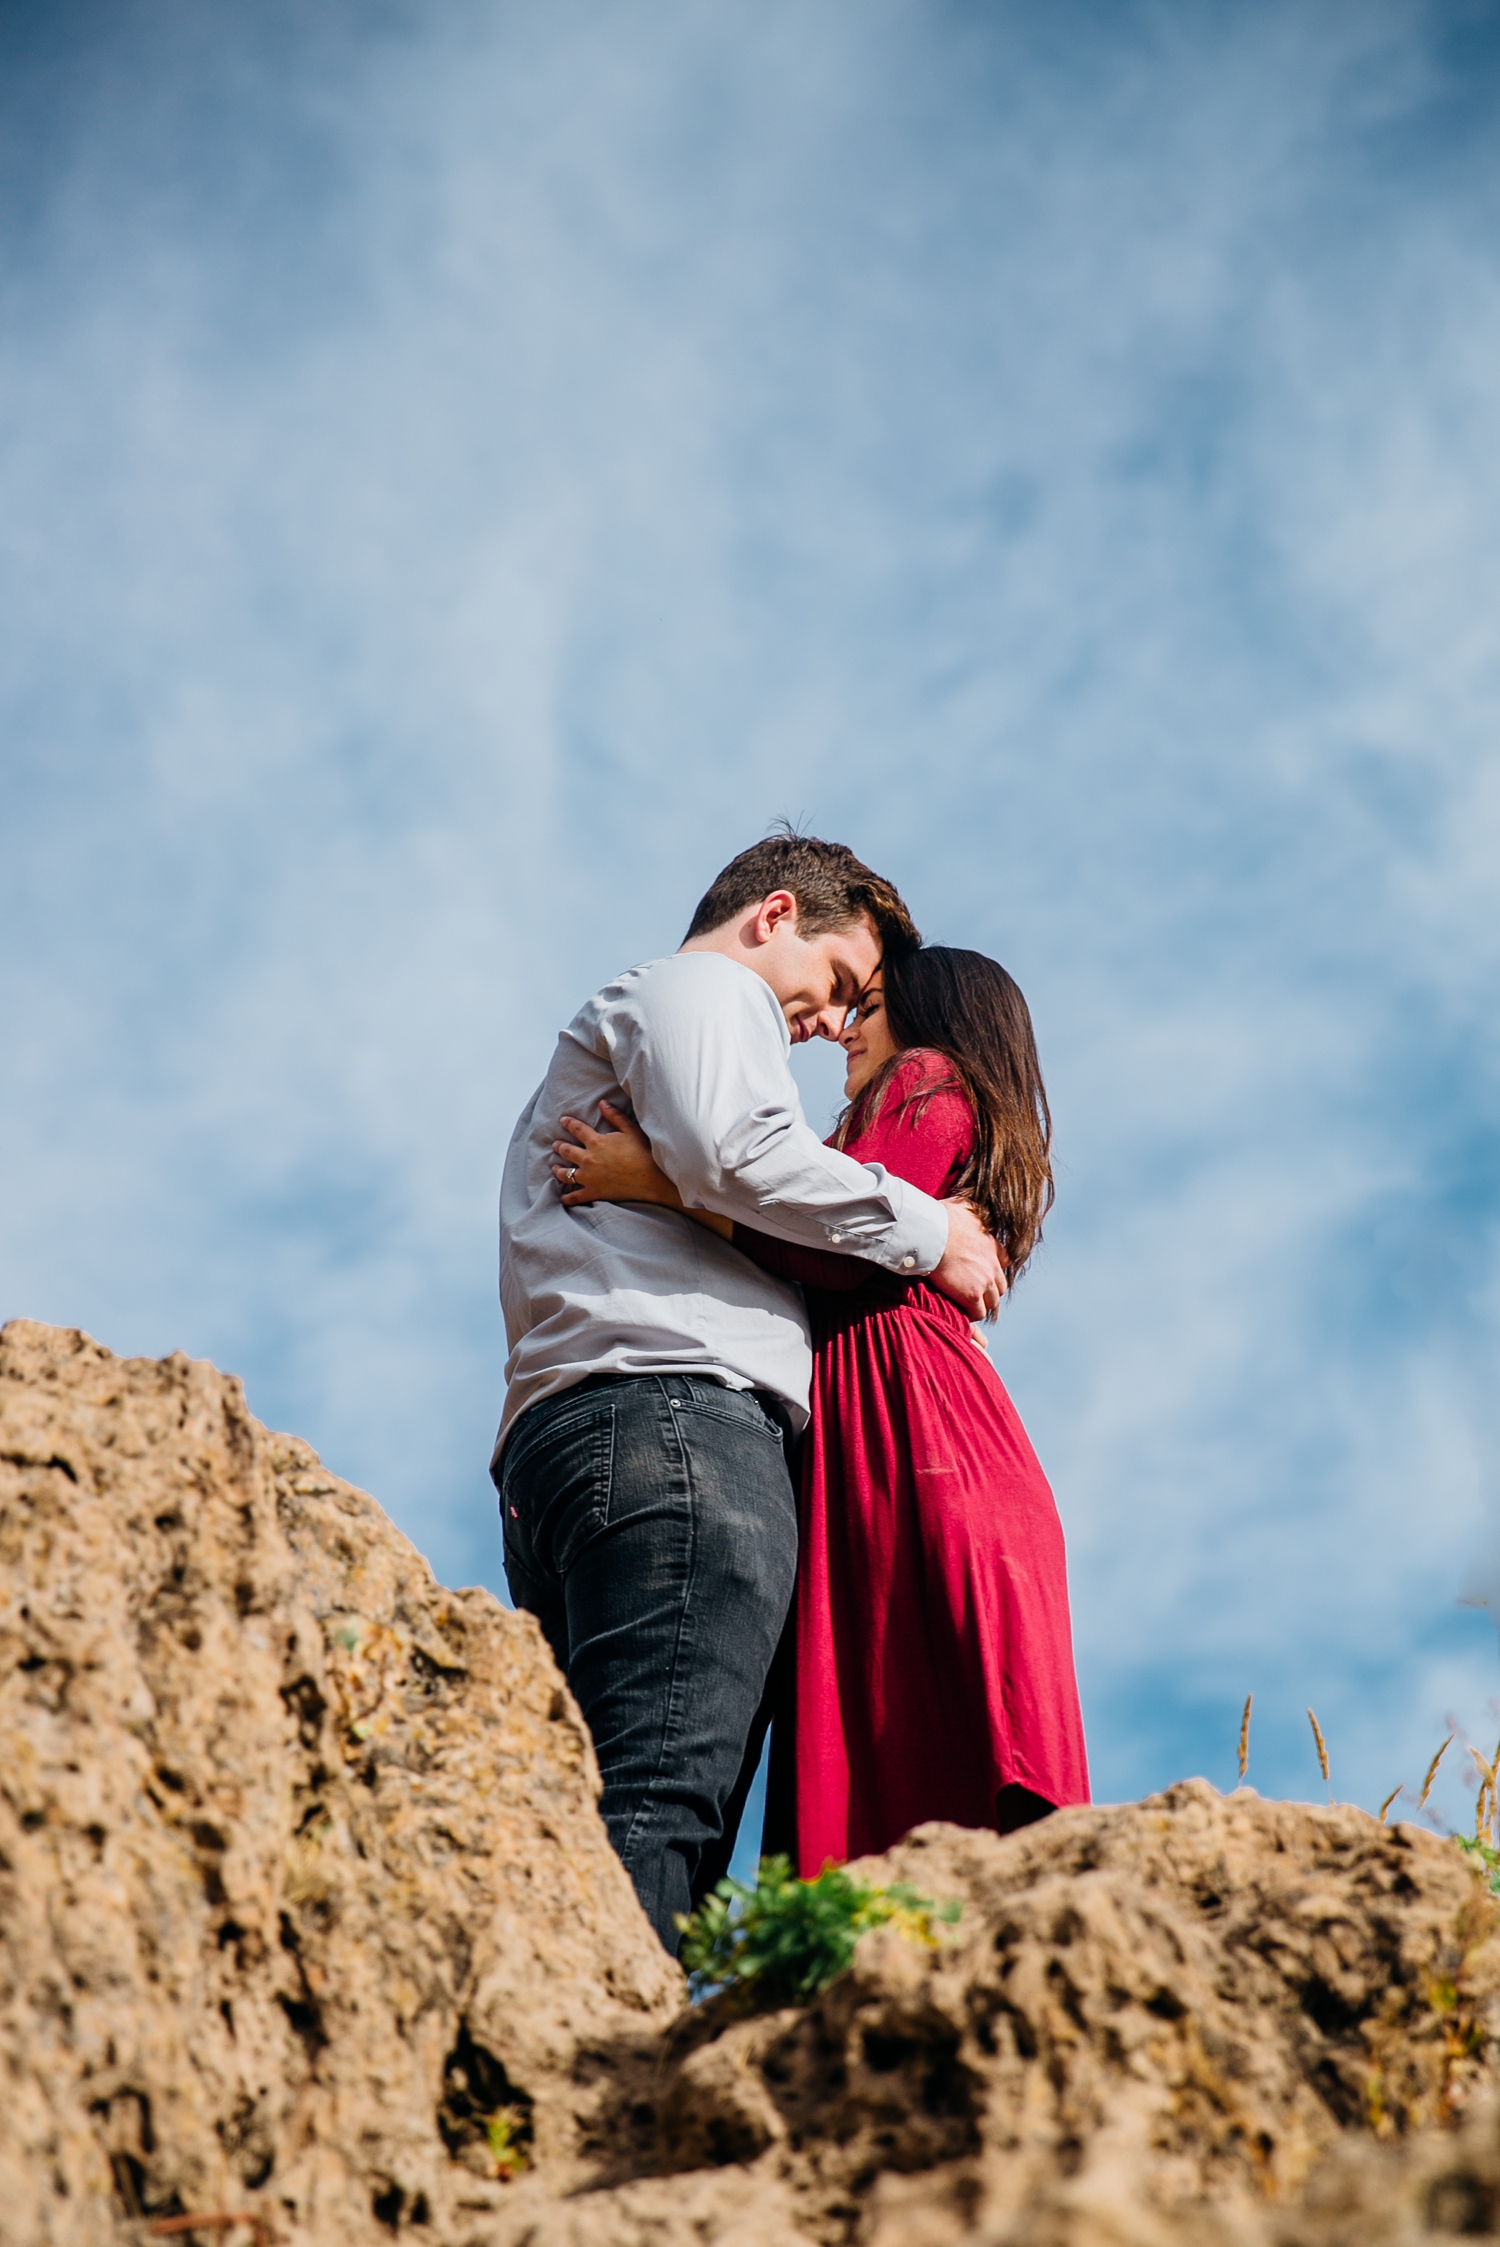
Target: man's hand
{"x":971,"y":1272}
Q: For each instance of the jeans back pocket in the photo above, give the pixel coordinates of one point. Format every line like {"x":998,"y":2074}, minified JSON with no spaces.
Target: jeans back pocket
{"x":555,"y":1480}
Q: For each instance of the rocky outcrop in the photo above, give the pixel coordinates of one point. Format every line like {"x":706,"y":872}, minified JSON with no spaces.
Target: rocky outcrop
{"x":306,"y":1913}
{"x":1444,"y":2184}
{"x":1151,"y":2024}
{"x":301,"y":1875}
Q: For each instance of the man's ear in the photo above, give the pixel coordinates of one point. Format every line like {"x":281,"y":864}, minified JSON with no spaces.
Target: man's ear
{"x":772,"y":913}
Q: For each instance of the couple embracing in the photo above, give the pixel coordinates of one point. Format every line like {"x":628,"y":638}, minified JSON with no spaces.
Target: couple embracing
{"x":747,"y":1408}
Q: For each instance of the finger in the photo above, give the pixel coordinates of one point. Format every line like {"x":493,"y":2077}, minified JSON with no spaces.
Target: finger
{"x":617,"y":1116}
{"x":579,"y":1129}
{"x":567,"y":1154}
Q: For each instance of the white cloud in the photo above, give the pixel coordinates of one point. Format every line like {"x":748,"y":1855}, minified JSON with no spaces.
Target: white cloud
{"x":464,"y":477}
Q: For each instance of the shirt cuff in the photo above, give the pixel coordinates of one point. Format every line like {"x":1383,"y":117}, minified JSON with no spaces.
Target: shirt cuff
{"x":912,"y":1245}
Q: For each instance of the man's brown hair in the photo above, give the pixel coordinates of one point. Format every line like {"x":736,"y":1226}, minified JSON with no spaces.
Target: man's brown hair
{"x":832,"y":888}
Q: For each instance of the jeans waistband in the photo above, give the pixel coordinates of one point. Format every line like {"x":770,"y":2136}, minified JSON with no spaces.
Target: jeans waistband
{"x":767,"y":1399}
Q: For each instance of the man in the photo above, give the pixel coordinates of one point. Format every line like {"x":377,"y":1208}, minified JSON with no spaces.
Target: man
{"x":655,"y":1374}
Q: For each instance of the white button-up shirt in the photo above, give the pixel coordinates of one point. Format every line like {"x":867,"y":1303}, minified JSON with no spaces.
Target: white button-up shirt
{"x":695,"y":1047}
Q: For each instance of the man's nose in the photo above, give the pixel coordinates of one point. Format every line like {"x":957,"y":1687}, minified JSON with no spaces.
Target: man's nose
{"x":829,"y":1023}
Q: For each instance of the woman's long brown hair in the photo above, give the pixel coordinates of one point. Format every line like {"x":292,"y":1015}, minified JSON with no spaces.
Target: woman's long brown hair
{"x":966,"y":1008}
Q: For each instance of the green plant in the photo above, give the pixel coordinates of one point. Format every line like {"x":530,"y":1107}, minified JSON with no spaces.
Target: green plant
{"x":501,"y":2132}
{"x":1487,"y":1857}
{"x":782,"y":1940}
{"x":1483,"y":1845}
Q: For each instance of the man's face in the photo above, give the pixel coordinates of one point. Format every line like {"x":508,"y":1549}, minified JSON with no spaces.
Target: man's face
{"x":817,"y":979}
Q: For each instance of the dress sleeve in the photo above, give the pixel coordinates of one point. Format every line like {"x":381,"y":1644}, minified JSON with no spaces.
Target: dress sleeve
{"x":923,"y":1139}
{"x":808,"y":1267}
{"x":925,"y":1143}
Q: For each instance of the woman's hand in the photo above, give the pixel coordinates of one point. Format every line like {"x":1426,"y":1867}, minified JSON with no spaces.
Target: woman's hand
{"x":614,"y":1164}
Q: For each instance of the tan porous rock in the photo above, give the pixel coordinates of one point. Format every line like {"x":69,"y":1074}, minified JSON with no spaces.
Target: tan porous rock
{"x":1440,"y":2184}
{"x":301,"y":1875}
{"x":1151,"y":2024}
{"x":306,"y":1911}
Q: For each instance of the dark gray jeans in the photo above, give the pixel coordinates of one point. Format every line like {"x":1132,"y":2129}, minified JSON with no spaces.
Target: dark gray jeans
{"x":651,"y":1528}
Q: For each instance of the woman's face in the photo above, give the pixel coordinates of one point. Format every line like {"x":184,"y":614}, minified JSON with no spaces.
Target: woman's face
{"x":866,"y":1038}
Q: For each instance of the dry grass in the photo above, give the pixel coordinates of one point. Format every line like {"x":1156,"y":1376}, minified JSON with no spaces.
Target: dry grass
{"x":1430,"y":1775}
{"x":1322,"y":1755}
{"x":1432,"y":1771}
{"x":1483,"y":1844}
{"x":1486,"y":1818}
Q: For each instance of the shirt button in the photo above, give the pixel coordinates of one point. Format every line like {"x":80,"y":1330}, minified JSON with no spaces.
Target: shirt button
{"x":835,"y":1238}
{"x":908,"y":1263}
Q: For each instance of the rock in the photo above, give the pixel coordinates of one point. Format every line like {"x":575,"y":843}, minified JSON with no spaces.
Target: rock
{"x":301,"y":1875}
{"x":1152,"y":2023}
{"x":306,"y":1910}
{"x":1370,"y":2195}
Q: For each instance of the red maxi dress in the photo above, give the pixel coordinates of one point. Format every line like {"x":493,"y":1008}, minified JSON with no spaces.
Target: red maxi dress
{"x":934,"y":1652}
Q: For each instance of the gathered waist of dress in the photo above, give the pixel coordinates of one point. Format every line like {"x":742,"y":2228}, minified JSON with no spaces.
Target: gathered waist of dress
{"x":835,"y":1311}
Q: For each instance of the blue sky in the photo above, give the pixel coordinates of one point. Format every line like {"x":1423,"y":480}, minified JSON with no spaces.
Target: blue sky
{"x":467,"y":471}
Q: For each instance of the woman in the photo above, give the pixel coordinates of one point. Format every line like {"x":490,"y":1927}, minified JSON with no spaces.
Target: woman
{"x":934,"y":1664}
